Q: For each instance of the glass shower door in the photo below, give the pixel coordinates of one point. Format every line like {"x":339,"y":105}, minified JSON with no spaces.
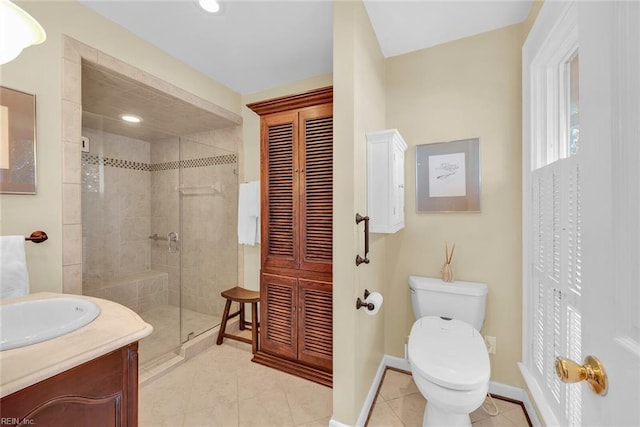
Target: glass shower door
{"x":129,"y":205}
{"x":209,"y":251}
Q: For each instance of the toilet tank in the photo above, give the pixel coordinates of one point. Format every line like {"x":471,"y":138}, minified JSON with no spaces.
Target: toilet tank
{"x":464,"y":301}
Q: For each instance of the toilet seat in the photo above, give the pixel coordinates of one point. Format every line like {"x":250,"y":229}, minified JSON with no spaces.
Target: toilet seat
{"x":449,"y":353}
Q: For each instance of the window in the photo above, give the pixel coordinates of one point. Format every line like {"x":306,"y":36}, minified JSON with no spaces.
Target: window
{"x":573,"y":85}
{"x":553,"y":221}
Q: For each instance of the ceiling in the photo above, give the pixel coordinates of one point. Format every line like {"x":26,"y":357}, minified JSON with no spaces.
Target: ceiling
{"x":254,"y":45}
{"x":258,"y":44}
{"x":106,"y":95}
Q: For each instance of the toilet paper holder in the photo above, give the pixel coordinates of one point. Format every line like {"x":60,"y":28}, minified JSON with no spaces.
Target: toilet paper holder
{"x":360,"y":303}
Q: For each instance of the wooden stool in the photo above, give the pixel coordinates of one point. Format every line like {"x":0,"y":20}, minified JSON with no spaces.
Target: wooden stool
{"x":241,"y":296}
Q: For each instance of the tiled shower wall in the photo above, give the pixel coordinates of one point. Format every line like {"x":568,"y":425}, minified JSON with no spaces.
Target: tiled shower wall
{"x":130,"y":190}
{"x":116,"y":206}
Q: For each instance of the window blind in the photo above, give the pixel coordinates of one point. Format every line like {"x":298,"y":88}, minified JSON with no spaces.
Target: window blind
{"x":557,"y":268}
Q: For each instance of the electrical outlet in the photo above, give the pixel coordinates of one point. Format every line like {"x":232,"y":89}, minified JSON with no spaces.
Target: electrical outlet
{"x":406,"y":349}
{"x":490,"y":342}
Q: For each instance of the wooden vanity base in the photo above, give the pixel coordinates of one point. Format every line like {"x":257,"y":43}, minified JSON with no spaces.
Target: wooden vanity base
{"x":101,"y":392}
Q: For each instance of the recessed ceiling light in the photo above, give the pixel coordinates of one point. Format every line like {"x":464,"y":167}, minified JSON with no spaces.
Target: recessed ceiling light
{"x":130,"y":118}
{"x":211,"y":6}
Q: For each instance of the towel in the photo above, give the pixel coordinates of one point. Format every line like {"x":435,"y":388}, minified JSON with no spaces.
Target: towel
{"x":249,"y":213}
{"x":14,"y":280}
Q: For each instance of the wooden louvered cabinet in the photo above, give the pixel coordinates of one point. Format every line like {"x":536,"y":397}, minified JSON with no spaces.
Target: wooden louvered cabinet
{"x":315,"y":345}
{"x":295,"y":319}
{"x":296,"y":234}
{"x":297,"y":180}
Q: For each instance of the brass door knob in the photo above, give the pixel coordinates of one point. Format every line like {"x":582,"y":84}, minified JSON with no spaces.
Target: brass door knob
{"x":592,"y":371}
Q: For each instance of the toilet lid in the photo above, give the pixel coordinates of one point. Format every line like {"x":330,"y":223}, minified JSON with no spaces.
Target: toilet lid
{"x":450,"y":353}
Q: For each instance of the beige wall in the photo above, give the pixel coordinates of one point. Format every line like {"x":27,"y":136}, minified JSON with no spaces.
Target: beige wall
{"x":38,"y":70}
{"x":359,"y":106}
{"x":463,"y":89}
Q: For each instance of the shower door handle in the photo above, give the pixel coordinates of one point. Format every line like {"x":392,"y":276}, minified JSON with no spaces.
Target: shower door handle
{"x":172,"y":242}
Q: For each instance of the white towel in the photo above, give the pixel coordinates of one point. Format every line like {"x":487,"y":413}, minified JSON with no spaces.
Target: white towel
{"x":14,"y":279}
{"x":249,"y":213}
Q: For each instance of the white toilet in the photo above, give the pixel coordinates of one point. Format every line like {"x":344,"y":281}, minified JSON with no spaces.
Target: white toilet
{"x":448,"y":356}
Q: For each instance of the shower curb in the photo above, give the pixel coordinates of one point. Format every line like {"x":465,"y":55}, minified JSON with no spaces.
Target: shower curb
{"x":159,"y":367}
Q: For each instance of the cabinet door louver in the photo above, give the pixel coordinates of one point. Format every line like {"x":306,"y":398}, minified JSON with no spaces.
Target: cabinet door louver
{"x":280,"y":200}
{"x":316,"y":338}
{"x":278,"y":315}
{"x":317,"y":195}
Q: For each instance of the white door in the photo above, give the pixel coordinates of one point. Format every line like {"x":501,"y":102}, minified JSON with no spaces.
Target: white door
{"x":609,"y":39}
{"x":601,"y":317}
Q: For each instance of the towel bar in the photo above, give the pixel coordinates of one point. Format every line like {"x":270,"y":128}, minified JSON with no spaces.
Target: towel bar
{"x":37,"y":237}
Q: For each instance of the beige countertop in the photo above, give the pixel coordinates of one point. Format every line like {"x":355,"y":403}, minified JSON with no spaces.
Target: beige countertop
{"x":115,"y":327}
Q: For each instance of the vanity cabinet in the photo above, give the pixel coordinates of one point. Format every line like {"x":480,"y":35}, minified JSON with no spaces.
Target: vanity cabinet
{"x":101,"y":392}
{"x":385,"y":181}
{"x":297,"y":234}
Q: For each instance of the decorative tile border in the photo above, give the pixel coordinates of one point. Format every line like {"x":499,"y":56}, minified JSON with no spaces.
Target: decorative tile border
{"x":226,"y":159}
{"x":192,"y":163}
{"x":116,"y":163}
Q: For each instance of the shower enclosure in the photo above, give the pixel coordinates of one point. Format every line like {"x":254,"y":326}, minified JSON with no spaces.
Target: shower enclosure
{"x":159,"y":214}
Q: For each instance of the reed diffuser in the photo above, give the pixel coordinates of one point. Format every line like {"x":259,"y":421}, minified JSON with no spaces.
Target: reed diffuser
{"x":447,"y":269}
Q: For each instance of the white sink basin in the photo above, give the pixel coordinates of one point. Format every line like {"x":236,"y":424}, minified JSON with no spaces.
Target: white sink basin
{"x":30,"y":322}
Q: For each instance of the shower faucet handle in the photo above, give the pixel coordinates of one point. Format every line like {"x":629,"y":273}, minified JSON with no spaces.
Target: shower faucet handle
{"x":172,"y":242}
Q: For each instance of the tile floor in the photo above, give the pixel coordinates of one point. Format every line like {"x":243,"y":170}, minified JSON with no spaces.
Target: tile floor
{"x":165,"y":337}
{"x":222,"y":387}
{"x":399,"y":403}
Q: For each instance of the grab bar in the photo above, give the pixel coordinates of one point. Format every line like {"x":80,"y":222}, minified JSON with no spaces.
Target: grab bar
{"x":171,"y":239}
{"x":359,"y":259}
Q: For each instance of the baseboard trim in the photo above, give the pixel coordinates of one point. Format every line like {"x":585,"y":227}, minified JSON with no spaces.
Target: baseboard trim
{"x":531,"y":410}
{"x":504,"y":390}
{"x":387,"y":361}
{"x":373,"y":392}
{"x":536,"y":395}
{"x":334,"y":423}
{"x":396,"y":362}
